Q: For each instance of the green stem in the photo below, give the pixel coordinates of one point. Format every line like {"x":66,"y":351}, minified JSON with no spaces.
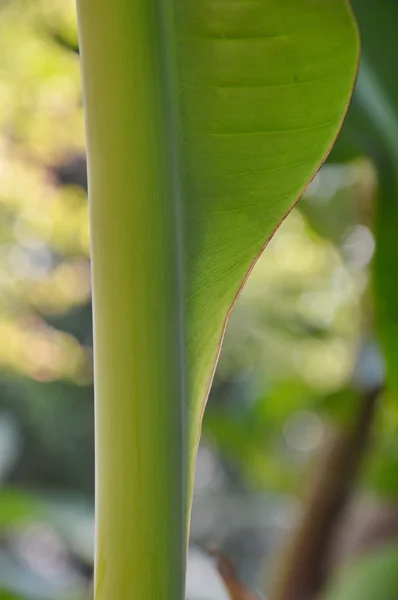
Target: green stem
{"x":138,"y":333}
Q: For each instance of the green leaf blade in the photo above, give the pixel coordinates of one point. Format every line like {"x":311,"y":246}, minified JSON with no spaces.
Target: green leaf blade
{"x":264,"y":87}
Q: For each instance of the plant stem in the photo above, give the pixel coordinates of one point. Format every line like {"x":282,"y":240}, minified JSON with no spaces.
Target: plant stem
{"x":303,"y":573}
{"x":137,"y":297}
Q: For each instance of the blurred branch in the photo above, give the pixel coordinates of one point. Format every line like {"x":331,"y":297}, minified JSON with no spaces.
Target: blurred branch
{"x":71,"y":171}
{"x":304,"y":568}
{"x":235,"y":588}
{"x":64,"y":41}
{"x":62,"y":36}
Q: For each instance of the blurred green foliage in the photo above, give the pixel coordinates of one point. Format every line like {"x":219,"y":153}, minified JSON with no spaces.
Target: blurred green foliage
{"x":371,"y":577}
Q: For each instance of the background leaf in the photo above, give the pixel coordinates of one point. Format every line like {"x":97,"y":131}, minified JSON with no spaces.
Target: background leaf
{"x":371,"y":129}
{"x":374,"y":576}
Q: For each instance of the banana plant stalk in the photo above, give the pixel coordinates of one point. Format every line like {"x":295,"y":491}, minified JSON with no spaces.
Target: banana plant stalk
{"x":138,"y":316}
{"x":205,"y":121}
